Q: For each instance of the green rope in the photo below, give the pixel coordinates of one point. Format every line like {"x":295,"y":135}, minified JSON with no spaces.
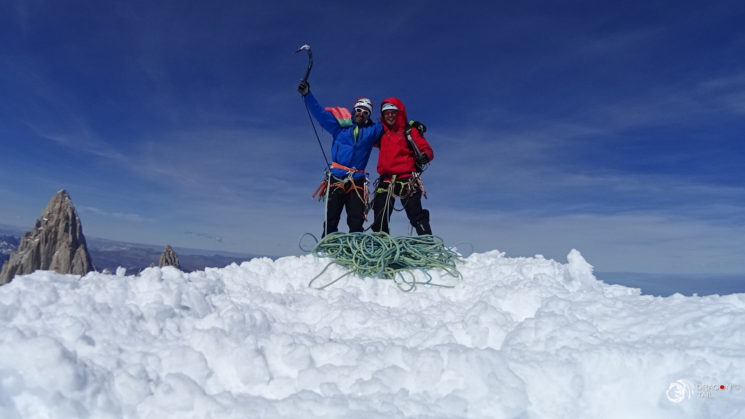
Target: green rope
{"x":378,"y":255}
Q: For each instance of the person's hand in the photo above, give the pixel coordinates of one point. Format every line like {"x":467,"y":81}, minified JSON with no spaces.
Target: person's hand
{"x":418,"y":125}
{"x":422,"y":159}
{"x":303,"y":87}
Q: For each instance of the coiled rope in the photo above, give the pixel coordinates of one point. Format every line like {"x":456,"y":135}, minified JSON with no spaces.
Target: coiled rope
{"x":378,"y":255}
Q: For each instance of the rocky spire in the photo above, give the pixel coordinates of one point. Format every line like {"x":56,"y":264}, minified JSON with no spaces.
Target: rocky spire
{"x":56,"y":243}
{"x":169,"y":258}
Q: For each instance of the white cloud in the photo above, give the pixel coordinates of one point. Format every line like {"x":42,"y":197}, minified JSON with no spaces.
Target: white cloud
{"x":130,"y":217}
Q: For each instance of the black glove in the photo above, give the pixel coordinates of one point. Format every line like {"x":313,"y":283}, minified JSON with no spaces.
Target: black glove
{"x":303,"y":87}
{"x":422,"y":159}
{"x":418,"y":125}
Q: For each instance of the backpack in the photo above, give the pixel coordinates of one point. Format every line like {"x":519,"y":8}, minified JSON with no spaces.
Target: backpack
{"x":420,"y":159}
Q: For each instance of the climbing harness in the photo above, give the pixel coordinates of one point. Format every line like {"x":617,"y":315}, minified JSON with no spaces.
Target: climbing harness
{"x":401,"y":189}
{"x":346,"y":185}
{"x":378,"y":255}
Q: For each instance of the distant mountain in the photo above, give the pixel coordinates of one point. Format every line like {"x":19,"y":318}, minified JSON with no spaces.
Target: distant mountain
{"x":10,"y":237}
{"x":9,"y":230}
{"x":8,"y":244}
{"x":110,"y":254}
{"x":56,"y":243}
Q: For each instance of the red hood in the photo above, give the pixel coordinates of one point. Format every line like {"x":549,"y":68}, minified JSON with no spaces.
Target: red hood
{"x":401,"y":118}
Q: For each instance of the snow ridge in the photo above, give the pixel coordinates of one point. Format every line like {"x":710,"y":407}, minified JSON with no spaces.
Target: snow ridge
{"x":518,"y":337}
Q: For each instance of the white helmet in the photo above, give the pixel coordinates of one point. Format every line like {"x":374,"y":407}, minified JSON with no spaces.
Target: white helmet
{"x":364,"y":102}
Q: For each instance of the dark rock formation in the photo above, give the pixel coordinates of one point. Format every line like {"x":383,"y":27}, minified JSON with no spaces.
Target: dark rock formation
{"x":169,"y":258}
{"x":56,"y":243}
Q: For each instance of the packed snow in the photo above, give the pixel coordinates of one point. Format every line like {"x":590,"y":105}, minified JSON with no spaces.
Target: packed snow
{"x":515,"y":338}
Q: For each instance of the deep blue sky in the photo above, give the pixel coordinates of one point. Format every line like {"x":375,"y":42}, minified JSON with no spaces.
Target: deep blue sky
{"x":615,"y":128}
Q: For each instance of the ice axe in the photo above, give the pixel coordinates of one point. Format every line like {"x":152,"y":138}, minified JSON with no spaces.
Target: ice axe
{"x":306,"y":47}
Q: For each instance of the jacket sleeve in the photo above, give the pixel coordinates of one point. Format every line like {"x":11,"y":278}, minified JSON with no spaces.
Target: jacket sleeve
{"x":324,"y":117}
{"x":422,"y":143}
{"x":377,"y":133}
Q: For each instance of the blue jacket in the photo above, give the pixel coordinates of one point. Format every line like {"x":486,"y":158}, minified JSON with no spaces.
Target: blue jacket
{"x":346,"y":149}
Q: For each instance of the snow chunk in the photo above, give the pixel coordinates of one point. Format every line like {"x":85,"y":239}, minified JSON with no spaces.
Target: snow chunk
{"x":517,"y":337}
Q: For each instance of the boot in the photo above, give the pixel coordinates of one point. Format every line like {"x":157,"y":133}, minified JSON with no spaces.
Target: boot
{"x":421,"y":223}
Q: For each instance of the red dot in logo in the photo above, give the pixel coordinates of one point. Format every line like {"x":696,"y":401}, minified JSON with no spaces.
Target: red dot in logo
{"x":722,"y":387}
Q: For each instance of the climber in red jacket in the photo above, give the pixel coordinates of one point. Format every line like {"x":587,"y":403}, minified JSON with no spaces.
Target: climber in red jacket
{"x":398,"y":168}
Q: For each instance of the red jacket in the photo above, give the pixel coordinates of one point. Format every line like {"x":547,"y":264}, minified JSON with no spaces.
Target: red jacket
{"x":396,"y":158}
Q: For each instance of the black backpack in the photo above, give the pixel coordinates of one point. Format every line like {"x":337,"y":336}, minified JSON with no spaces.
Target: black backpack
{"x":420,"y":158}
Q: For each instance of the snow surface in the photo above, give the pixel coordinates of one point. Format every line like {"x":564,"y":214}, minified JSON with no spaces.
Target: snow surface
{"x":516,"y":338}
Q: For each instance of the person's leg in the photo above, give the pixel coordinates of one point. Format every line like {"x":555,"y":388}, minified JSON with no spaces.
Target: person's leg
{"x":382,"y":207}
{"x":355,"y":206}
{"x":418,"y":217}
{"x":334,"y":206}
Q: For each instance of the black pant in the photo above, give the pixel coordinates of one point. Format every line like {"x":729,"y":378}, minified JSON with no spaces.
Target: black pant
{"x":411,"y":199}
{"x":349,"y":197}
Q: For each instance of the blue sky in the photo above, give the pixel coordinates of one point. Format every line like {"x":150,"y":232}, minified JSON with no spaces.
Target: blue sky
{"x":615,"y":129}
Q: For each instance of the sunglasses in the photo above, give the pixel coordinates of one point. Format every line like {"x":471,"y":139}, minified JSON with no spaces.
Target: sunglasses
{"x":363,"y":111}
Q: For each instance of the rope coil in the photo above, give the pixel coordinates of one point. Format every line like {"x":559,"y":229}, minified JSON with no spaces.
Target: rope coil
{"x":378,"y":255}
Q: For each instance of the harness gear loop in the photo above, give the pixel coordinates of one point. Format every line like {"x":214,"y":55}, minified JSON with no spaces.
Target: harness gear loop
{"x":419,"y":182}
{"x":321,"y":190}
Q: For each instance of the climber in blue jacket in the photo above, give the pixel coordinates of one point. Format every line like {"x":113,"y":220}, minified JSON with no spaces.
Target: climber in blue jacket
{"x":353,"y":139}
